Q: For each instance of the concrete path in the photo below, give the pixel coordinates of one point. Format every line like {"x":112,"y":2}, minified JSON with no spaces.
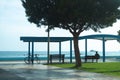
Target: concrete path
{"x":44,"y":72}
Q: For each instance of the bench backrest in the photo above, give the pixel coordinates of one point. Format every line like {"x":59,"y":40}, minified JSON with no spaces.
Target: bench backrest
{"x":56,"y":56}
{"x":96,"y":56}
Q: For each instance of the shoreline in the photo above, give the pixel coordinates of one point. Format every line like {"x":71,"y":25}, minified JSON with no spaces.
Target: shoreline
{"x":109,"y":59}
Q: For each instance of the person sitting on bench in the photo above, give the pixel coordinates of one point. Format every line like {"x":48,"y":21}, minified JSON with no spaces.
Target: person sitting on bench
{"x":96,"y":56}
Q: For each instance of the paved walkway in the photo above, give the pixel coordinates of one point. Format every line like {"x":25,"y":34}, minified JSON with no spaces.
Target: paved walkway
{"x":44,"y":72}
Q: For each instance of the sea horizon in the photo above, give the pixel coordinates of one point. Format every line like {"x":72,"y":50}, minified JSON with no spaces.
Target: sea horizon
{"x":20,"y":55}
{"x":107,"y":53}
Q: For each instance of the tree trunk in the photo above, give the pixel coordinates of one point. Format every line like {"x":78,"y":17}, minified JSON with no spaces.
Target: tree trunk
{"x":77,"y":52}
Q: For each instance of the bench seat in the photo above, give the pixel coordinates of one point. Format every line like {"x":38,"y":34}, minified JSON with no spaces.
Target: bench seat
{"x":56,"y":56}
{"x":91,"y":57}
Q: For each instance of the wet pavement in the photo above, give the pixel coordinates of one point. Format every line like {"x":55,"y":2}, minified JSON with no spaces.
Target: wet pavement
{"x":45,"y":72}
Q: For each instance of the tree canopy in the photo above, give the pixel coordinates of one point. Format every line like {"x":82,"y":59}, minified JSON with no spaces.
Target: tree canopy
{"x":73,"y":15}
{"x":80,"y":14}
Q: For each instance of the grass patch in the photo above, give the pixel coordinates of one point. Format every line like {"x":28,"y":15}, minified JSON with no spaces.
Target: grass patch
{"x":108,"y":68}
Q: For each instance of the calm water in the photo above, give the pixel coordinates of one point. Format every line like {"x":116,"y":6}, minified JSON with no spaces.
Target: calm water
{"x":20,"y":55}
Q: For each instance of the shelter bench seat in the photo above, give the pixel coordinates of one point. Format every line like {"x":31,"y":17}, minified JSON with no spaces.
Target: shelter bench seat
{"x":91,"y":57}
{"x":57,"y":56}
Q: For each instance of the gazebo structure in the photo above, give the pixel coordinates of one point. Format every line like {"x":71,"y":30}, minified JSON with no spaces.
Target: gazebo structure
{"x":31,"y":41}
{"x":102,"y":37}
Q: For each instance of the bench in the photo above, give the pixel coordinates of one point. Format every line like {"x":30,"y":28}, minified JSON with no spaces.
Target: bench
{"x":56,"y":56}
{"x":96,"y":56}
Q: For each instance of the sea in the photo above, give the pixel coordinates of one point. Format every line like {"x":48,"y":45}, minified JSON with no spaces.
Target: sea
{"x":20,"y":55}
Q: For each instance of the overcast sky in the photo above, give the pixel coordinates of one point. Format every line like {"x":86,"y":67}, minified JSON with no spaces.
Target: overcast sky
{"x":13,"y":24}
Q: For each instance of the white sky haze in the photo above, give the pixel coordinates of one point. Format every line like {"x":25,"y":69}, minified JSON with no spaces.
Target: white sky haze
{"x":13,"y":24}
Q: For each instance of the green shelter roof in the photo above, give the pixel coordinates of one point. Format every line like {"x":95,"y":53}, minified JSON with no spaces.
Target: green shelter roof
{"x":61,"y":39}
{"x":45,"y":39}
{"x":101,"y":36}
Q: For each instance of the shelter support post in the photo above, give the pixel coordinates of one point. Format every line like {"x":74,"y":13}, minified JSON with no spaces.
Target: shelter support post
{"x":32,"y":53}
{"x":29,"y":51}
{"x":70,"y":51}
{"x":103,"y":40}
{"x":28,"y":48}
{"x":59,"y":51}
{"x":85,"y":47}
{"x":48,"y":46}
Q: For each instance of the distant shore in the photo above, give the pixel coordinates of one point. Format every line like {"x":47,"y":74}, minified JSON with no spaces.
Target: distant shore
{"x":18,"y":56}
{"x":45,"y":58}
{"x":67,"y":60}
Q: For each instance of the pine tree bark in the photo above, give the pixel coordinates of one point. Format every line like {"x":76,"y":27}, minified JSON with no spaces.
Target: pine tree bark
{"x":77,"y":52}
